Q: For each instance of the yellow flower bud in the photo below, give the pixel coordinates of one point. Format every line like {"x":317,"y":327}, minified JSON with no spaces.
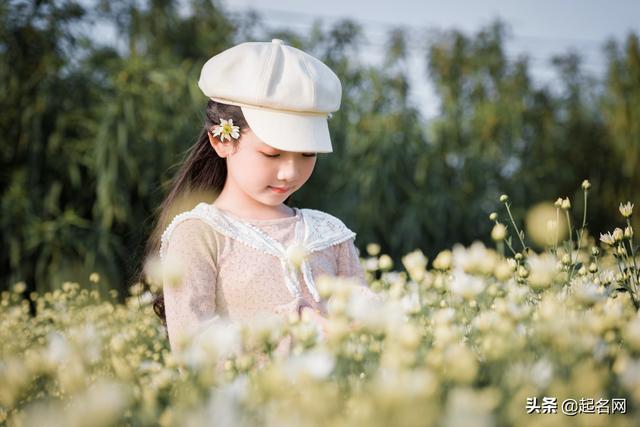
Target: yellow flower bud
{"x":558,"y":202}
{"x":504,"y":198}
{"x":586,"y":185}
{"x":499,"y":232}
{"x":19,"y":287}
{"x":373,"y":249}
{"x":503,"y":271}
{"x":385,"y":262}
{"x":628,"y":232}
{"x":443,"y":260}
{"x":618,"y":234}
{"x":523,"y":272}
{"x":493,"y":216}
{"x":566,"y":204}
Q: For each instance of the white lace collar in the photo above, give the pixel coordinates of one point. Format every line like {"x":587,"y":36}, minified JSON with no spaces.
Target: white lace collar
{"x":315,"y":231}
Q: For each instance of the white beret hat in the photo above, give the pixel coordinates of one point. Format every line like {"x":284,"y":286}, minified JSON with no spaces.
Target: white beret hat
{"x":285,"y":94}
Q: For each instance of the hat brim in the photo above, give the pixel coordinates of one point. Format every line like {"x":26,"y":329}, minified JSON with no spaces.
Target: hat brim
{"x":290,"y":131}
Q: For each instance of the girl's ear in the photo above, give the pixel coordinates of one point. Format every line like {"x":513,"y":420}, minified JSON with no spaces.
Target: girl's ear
{"x":223,"y":149}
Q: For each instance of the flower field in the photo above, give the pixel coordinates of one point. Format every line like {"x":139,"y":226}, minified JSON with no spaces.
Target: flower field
{"x":479,"y":336}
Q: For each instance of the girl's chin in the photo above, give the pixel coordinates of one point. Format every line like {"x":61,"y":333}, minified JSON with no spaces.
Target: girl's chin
{"x":272,"y":199}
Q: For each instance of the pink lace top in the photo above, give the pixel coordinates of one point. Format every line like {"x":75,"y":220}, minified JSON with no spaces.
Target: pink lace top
{"x":222,"y":275}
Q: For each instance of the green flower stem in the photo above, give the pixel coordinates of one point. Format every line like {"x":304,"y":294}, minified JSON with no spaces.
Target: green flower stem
{"x":570,"y":228}
{"x":570,"y":243}
{"x":510,"y":247}
{"x":633,"y":254}
{"x":584,"y":212}
{"x":627,"y":285}
{"x":515,"y":226}
{"x":579,"y":235}
{"x":555,"y":246}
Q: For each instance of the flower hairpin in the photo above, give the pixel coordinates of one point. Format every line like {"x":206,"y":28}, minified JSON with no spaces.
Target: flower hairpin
{"x":227,"y":130}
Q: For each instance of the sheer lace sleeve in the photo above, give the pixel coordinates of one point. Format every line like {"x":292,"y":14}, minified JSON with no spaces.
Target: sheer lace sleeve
{"x":189,"y":279}
{"x":348,"y":262}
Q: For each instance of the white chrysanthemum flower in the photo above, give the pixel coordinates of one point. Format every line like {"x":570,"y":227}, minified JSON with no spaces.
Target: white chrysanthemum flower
{"x":444,"y":316}
{"x":216,"y":338}
{"x":542,"y":373}
{"x":476,"y":259}
{"x":543,"y":270}
{"x":317,"y":363}
{"x":466,"y":406}
{"x":465,"y":285}
{"x":517,"y":293}
{"x":629,"y":375}
{"x":225,"y":405}
{"x":366,"y":311}
{"x":226,"y":130}
{"x":416,"y":264}
{"x":146,"y":298}
{"x":104,"y":401}
{"x":607,"y":238}
{"x":632,"y":333}
{"x":411,"y":303}
{"x":460,"y":363}
{"x":58,"y":349}
{"x":587,"y":292}
{"x":626,"y":209}
{"x":371,"y":264}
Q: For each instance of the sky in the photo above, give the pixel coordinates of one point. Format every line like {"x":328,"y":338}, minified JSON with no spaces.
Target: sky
{"x":538,"y":28}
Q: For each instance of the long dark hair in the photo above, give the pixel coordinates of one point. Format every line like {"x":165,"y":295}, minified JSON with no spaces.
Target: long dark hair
{"x":201,"y":177}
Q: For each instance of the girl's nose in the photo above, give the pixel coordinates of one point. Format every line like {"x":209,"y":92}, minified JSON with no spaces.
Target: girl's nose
{"x":287,"y":170}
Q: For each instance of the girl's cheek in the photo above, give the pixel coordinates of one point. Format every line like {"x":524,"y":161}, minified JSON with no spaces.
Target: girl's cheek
{"x":311,"y":166}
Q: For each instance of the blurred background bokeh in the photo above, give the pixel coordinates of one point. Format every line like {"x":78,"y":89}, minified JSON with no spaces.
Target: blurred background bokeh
{"x":93,"y":126}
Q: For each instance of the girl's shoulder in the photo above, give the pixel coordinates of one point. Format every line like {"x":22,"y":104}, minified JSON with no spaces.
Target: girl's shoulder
{"x":323,"y":219}
{"x":194,"y":222}
{"x":325,"y":229}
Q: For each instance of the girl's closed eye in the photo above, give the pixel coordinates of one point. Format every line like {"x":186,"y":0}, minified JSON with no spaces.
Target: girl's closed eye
{"x":273,"y":156}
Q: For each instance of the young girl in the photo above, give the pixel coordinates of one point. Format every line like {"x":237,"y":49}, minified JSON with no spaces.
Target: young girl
{"x":249,"y":252}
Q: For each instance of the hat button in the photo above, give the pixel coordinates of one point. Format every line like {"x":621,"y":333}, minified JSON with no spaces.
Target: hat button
{"x":277,"y":41}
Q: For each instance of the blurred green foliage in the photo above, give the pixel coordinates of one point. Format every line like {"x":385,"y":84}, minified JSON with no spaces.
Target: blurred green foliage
{"x":92,"y":132}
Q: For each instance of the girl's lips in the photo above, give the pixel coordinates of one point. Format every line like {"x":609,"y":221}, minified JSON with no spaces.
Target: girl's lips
{"x":279,"y":190}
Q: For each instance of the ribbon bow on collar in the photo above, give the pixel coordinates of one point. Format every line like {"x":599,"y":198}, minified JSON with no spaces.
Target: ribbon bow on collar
{"x":292,"y":258}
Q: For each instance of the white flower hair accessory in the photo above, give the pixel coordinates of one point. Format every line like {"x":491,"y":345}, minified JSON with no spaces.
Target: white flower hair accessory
{"x":227,"y":130}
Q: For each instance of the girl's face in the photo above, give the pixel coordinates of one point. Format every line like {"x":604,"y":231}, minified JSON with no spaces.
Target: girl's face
{"x":263,"y":173}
